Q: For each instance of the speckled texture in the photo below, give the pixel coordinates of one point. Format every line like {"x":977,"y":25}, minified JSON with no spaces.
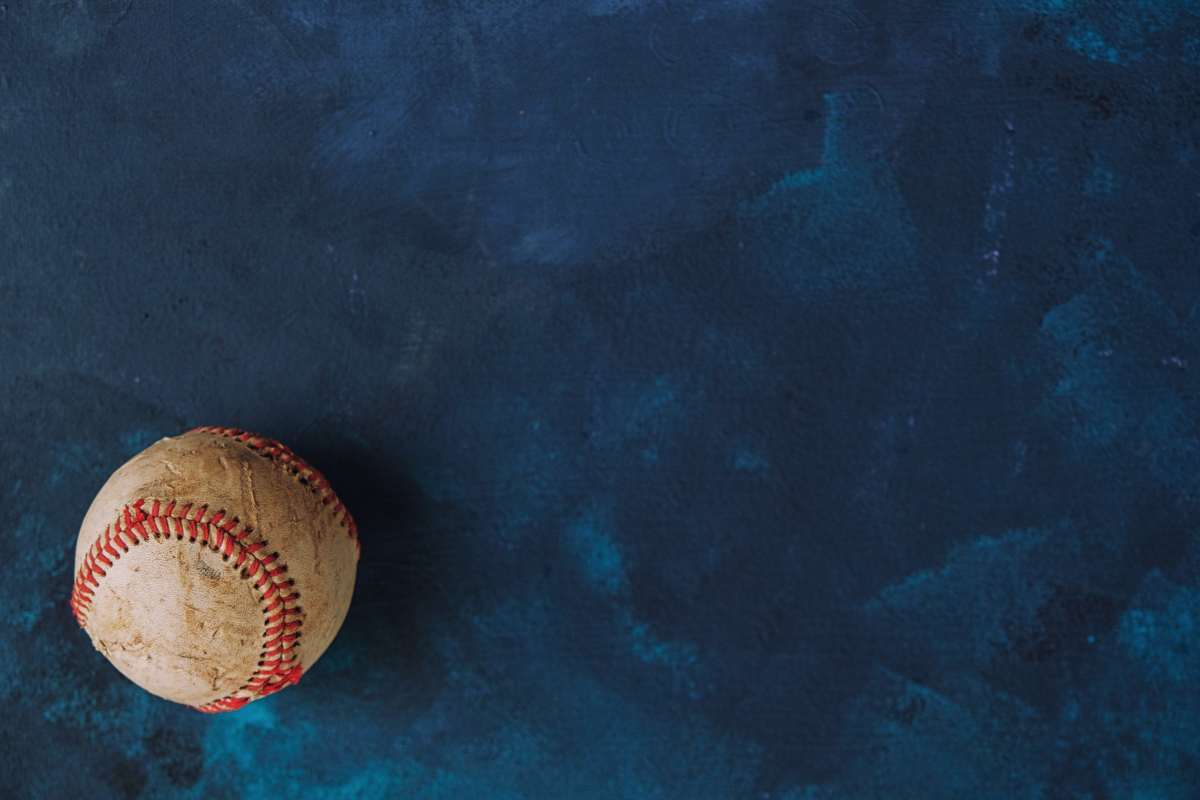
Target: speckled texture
{"x":738,"y":399}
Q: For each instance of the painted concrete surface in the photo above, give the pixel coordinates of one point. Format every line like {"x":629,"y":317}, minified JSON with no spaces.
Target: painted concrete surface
{"x":738,"y":399}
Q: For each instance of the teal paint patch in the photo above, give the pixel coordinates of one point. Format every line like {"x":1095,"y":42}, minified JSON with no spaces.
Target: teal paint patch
{"x":840,"y":228}
{"x":680,"y":659}
{"x":119,"y":707}
{"x":1092,"y":395}
{"x":1089,"y":374}
{"x":344,"y":771}
{"x":800,"y":179}
{"x":1091,"y":44}
{"x":829,"y":167}
{"x":652,"y":403}
{"x":38,"y":562}
{"x":1101,"y":181}
{"x":1127,"y":33}
{"x":1160,"y":631}
{"x":747,"y":460}
{"x":964,"y":561}
{"x":988,"y":590}
{"x":74,"y":460}
{"x":590,"y":541}
{"x":481,"y":732}
{"x":921,"y":730}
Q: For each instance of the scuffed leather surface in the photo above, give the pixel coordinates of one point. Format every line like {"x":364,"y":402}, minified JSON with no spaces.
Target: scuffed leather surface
{"x":170,"y":613}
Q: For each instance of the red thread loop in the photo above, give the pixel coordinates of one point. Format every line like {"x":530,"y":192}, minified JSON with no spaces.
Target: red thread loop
{"x":304,"y":472}
{"x":281,"y":629}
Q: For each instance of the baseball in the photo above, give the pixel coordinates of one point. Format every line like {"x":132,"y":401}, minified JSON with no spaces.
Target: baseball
{"x":214,"y":568}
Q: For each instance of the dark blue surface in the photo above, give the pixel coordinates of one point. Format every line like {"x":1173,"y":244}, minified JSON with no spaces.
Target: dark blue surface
{"x":738,"y":399}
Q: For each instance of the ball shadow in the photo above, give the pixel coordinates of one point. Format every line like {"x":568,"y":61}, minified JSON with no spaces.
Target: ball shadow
{"x":400,"y":595}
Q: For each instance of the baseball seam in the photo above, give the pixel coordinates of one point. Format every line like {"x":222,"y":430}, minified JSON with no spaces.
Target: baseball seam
{"x":278,"y":665}
{"x":304,"y":472}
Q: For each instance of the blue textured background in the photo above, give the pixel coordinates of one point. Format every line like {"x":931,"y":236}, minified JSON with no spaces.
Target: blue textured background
{"x":739,"y":399}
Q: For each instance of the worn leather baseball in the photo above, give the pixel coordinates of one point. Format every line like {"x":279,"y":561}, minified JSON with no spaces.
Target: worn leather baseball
{"x":214,"y":568}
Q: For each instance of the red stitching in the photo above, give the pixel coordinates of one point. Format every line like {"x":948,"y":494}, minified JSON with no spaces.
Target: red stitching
{"x":278,"y":665}
{"x":304,"y":472}
{"x":278,"y":661}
